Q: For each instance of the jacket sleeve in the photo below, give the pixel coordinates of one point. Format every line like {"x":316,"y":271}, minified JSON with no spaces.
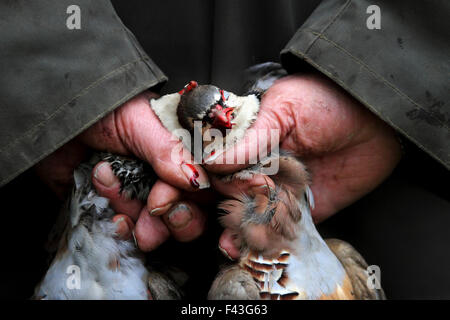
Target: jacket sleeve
{"x":56,"y":81}
{"x":400,"y":71}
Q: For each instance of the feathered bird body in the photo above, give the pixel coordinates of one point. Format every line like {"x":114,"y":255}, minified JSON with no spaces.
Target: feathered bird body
{"x":282,"y":254}
{"x":307,"y":270}
{"x":88,"y":247}
{"x":220,"y":110}
{"x":91,"y":261}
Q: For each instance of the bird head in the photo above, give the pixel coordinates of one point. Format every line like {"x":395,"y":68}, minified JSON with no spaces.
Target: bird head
{"x":205,"y":103}
{"x":213,"y":108}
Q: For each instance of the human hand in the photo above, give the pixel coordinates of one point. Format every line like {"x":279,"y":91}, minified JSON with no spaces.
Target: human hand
{"x":134,"y":129}
{"x":347,"y":149}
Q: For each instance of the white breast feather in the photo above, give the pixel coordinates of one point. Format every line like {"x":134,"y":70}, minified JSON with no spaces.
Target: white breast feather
{"x":91,"y":246}
{"x":165,"y":108}
{"x":313,"y":267}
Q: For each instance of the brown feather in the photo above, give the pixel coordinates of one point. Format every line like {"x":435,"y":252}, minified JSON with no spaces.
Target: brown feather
{"x":292,"y":175}
{"x":356,"y":269}
{"x":284,"y":257}
{"x":289,"y":296}
{"x":234,"y":213}
{"x":283,"y":280}
{"x":256,"y":274}
{"x":342,"y":292}
{"x":260,"y":266}
{"x":264,"y":295}
{"x":234,"y":283}
{"x":114,"y":264}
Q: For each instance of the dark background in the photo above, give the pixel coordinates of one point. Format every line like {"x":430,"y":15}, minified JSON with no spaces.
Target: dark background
{"x":403,"y":226}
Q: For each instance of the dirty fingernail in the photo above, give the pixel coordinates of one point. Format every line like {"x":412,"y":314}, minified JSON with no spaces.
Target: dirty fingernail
{"x":197,"y":176}
{"x":180,"y":216}
{"x":104,"y":175}
{"x":225,"y":253}
{"x":134,"y":238}
{"x":123,"y":229}
{"x":160,"y":210}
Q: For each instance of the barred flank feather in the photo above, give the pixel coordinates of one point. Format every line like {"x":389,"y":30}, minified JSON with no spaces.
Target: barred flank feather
{"x":281,"y":249}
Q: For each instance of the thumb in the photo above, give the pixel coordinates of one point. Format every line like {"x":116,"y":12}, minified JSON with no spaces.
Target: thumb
{"x":134,"y":129}
{"x":260,"y":139}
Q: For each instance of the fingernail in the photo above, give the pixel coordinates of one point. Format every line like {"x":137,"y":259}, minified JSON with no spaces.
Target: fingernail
{"x":160,"y":210}
{"x":180,"y":216}
{"x":119,"y":220}
{"x":197,"y":177}
{"x":104,"y":175}
{"x":225,"y":253}
{"x":134,"y":239}
{"x":123,"y":227}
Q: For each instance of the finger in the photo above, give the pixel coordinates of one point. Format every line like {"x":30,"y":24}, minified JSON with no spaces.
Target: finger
{"x":228,"y":245}
{"x":134,"y":128}
{"x":124,"y":226}
{"x":108,"y":186}
{"x":162,"y":197}
{"x":185,"y":221}
{"x":150,"y":231}
{"x":257,"y":184}
{"x":269,"y":129}
{"x":146,"y":137}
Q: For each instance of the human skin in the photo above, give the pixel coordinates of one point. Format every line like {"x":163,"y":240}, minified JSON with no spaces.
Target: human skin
{"x":347,"y":149}
{"x":133,"y":129}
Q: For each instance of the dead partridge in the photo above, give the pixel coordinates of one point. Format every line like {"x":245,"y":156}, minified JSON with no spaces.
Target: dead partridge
{"x":283,"y":257}
{"x":221,"y":118}
{"x":91,"y":260}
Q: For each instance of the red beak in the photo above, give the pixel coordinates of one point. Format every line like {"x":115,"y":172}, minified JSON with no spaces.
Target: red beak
{"x":222,"y":117}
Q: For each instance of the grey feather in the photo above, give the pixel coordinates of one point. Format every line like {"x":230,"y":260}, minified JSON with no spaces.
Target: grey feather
{"x":259,"y":78}
{"x":110,"y":268}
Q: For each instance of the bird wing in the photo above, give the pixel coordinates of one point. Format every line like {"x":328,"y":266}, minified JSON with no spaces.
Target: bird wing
{"x":234,"y":283}
{"x":356,"y":268}
{"x":162,"y":287}
{"x":260,"y":77}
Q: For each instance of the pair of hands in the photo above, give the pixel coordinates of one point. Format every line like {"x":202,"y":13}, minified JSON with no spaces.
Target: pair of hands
{"x":347,"y":150}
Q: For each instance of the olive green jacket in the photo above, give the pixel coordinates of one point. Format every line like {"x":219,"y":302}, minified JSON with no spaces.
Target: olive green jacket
{"x":401,"y":72}
{"x":56,"y":81}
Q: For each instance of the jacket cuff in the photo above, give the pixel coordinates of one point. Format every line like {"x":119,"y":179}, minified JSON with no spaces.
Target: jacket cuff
{"x":401,"y":82}
{"x":72,"y":79}
{"x":102,"y":96}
